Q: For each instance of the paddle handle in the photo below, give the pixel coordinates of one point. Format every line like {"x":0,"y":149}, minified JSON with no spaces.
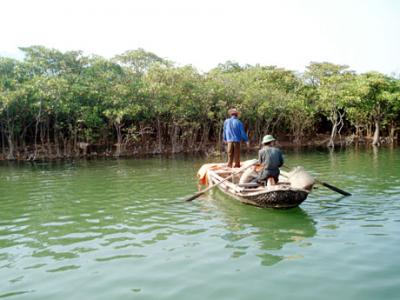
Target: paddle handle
{"x":198,"y":194}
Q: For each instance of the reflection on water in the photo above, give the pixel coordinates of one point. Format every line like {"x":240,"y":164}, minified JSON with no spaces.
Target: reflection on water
{"x":271,"y":229}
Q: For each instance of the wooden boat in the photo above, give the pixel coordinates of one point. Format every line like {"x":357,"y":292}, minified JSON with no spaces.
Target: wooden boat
{"x":282,"y":195}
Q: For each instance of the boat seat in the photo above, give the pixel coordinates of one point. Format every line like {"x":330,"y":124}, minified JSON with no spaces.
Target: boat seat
{"x":249,"y":184}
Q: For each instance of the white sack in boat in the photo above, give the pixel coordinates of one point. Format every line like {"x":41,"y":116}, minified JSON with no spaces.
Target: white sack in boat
{"x":248,"y":175}
{"x":300,"y":178}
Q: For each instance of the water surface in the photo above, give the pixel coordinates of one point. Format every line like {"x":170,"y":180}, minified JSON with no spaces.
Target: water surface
{"x":118,"y":229}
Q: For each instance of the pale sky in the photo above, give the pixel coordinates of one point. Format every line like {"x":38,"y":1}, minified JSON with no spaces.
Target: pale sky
{"x":364,"y":34}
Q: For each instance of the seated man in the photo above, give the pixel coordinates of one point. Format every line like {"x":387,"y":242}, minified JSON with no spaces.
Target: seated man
{"x":272,"y":159}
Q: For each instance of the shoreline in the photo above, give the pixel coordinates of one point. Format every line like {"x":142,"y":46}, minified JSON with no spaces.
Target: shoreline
{"x":93,"y":151}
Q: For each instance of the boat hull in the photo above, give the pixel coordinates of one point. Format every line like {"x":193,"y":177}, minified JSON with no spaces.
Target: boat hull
{"x":280,"y":196}
{"x":271,"y":199}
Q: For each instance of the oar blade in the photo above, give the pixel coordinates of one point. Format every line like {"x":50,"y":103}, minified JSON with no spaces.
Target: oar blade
{"x":336,"y":189}
{"x":191,"y":198}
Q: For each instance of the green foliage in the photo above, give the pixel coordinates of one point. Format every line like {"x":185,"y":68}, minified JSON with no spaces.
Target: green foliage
{"x":139,"y":61}
{"x":64,"y":98}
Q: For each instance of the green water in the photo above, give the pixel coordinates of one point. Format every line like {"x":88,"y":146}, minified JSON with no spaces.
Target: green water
{"x":118,"y":229}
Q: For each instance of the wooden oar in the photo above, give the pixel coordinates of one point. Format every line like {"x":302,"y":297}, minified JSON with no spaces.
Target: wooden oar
{"x":198,"y":194}
{"x":329,"y":186}
{"x":333,"y":188}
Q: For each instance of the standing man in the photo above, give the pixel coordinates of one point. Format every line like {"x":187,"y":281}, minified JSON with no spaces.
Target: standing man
{"x":233,"y":135}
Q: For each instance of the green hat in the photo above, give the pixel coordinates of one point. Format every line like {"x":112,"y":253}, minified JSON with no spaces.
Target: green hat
{"x":267,"y":139}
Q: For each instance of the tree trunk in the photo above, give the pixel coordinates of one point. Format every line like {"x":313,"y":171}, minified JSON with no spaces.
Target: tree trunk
{"x":70,"y":138}
{"x":369,"y":130}
{"x":118,"y":128}
{"x":143,"y":135}
{"x":10,"y":139}
{"x":331,"y":142}
{"x":3,"y":140}
{"x":375,"y":140}
{"x":23,"y":143}
{"x":204,"y":137}
{"x":65,"y":142}
{"x":335,"y":124}
{"x":340,"y":125}
{"x":50,"y":154}
{"x":297,"y":131}
{"x":220,"y":138}
{"x":36,"y":132}
{"x":42,"y":135}
{"x":297,"y":127}
{"x":257,"y":130}
{"x":159,"y":136}
{"x":358,"y":131}
{"x":392,"y":131}
{"x":55,"y":137}
{"x":75,"y":141}
{"x":174,"y":131}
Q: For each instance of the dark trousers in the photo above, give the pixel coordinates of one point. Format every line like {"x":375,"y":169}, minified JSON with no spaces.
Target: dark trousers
{"x":233,"y":154}
{"x":265,"y":174}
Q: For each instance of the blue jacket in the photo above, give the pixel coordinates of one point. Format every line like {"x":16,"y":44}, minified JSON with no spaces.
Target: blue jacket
{"x":234,"y":130}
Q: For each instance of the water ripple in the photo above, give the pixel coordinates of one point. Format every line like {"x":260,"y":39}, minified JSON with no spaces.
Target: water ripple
{"x":120,"y":228}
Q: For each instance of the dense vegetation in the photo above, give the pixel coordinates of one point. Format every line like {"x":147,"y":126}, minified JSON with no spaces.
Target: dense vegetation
{"x":55,"y":104}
